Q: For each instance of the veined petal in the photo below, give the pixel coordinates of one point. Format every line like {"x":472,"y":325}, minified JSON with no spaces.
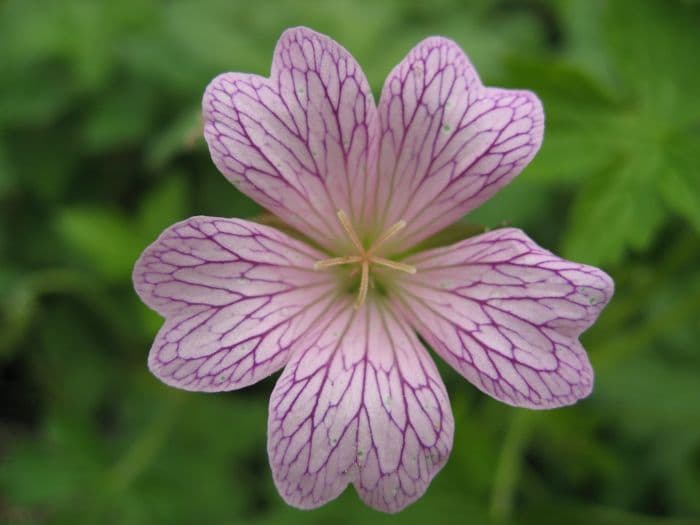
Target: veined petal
{"x":447,"y":142}
{"x":363,"y":404}
{"x":236,"y":296}
{"x":303,"y":142}
{"x":507,"y":314}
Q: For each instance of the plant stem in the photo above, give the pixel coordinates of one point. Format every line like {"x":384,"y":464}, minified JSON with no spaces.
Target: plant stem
{"x":509,"y":466}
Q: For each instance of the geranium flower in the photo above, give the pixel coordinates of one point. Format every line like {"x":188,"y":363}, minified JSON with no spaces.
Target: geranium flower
{"x":337,"y":298}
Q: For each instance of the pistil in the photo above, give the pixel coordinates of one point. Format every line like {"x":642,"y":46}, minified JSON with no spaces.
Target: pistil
{"x":365,"y":257}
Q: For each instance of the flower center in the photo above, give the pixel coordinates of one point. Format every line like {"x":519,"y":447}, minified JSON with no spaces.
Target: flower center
{"x":365,"y":257}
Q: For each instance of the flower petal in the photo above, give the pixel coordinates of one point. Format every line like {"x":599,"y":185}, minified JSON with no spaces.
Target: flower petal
{"x":236,"y":296}
{"x":299,"y":141}
{"x":363,"y":405}
{"x":447,"y":142}
{"x":507,"y":314}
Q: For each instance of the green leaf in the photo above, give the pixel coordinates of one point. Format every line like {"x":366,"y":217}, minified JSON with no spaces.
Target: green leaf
{"x":32,"y":98}
{"x":654,"y":45}
{"x":680,"y":181}
{"x":579,"y":138}
{"x":519,"y":204}
{"x":184,"y":134}
{"x":48,"y":471}
{"x":121,"y":116}
{"x":618,"y":208}
{"x":577,"y":514}
{"x":165,"y":205}
{"x":47,"y":174}
{"x":104,"y":238}
{"x":646,"y":410}
{"x":7,"y":181}
{"x":639,"y":147}
{"x":559,"y":83}
{"x":17,"y":304}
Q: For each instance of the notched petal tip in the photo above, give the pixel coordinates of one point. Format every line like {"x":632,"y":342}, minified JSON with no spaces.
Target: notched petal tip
{"x":298,"y":141}
{"x":507,"y":314}
{"x":529,"y":108}
{"x":475,"y":139}
{"x":236,"y":295}
{"x":295,"y":33}
{"x":367,"y":409}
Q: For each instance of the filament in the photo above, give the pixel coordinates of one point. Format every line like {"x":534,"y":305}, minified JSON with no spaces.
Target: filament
{"x":364,"y":285}
{"x":394,"y":265}
{"x":365,"y":257}
{"x":393,"y":230}
{"x":347,"y":226}
{"x":337,"y":261}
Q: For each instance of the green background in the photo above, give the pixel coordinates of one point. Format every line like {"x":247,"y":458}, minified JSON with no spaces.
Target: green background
{"x":101,"y":148}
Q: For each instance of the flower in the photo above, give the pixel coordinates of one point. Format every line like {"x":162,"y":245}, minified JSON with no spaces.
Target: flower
{"x":339,"y":302}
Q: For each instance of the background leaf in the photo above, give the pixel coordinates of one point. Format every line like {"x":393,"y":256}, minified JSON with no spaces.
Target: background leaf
{"x":101,"y":148}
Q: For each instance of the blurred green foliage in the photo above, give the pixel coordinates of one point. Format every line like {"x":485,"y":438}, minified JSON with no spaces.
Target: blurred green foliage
{"x":101,"y":148}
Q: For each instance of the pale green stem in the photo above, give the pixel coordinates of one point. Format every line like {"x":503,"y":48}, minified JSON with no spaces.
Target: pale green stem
{"x":137,"y":458}
{"x":144,"y":449}
{"x":509,"y":466}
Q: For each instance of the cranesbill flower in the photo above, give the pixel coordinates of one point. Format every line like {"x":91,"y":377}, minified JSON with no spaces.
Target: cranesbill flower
{"x":338,"y":295}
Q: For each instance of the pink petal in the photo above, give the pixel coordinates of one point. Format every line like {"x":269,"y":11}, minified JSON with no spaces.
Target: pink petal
{"x":364,"y":405}
{"x":299,"y":141}
{"x":236,"y":296}
{"x":448,"y":143}
{"x":507,"y":314}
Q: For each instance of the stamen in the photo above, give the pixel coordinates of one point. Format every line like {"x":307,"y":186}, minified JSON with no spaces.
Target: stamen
{"x":364,"y":285}
{"x":394,"y":265}
{"x":393,"y":230}
{"x":337,"y":261}
{"x":365,"y":257}
{"x":347,"y":226}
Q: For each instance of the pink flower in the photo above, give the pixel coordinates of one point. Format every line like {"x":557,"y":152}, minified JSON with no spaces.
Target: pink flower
{"x":360,"y":400}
